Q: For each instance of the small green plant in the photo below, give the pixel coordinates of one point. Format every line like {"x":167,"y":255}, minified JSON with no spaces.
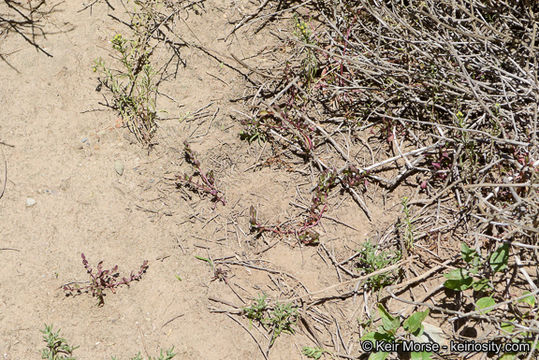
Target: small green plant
{"x":313,"y":352}
{"x":310,"y":62}
{"x":162,"y":356}
{"x":478,"y":272}
{"x":252,"y":131}
{"x":371,"y":259}
{"x":478,"y":275}
{"x":57,"y":347}
{"x":133,"y":86}
{"x":257,"y":310}
{"x":470,"y":158}
{"x":389,"y":332}
{"x":408,"y":231}
{"x":303,"y":30}
{"x":527,"y":310}
{"x":281,"y":318}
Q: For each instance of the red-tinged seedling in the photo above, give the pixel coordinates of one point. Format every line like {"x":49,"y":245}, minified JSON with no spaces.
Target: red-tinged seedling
{"x":220,"y":274}
{"x":440,"y":163}
{"x":206,"y":185}
{"x":352,"y":177}
{"x":349,"y":178}
{"x":190,"y":155}
{"x":102,"y":280}
{"x":387,"y":129}
{"x":304,"y":233}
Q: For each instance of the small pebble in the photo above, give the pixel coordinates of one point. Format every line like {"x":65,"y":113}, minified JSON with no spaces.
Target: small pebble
{"x":84,"y":139}
{"x":30,"y":202}
{"x":119,"y":167}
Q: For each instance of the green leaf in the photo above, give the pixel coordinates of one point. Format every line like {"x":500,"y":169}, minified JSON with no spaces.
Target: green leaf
{"x":204,"y":259}
{"x":383,"y":335}
{"x":368,"y":336}
{"x":458,"y":280}
{"x":480,"y":285}
{"x":413,"y":323}
{"x":457,"y":274}
{"x":530,"y":300}
{"x":313,"y":352}
{"x":458,"y":285}
{"x":420,"y":356}
{"x":467,"y":253}
{"x":378,"y":356}
{"x":507,"y":327}
{"x":498,"y":259}
{"x":483,"y":303}
{"x":390,"y":323}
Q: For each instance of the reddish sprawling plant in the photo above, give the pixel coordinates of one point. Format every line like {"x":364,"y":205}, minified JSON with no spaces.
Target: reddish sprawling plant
{"x":103,"y":280}
{"x":349,"y":178}
{"x":207,"y":183}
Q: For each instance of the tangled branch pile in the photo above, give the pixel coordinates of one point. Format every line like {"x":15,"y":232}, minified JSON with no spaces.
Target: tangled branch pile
{"x":450,"y":91}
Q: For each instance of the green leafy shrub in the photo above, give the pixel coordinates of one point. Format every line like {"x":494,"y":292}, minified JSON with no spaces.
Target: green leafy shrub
{"x":389,"y":332}
{"x":133,"y":86}
{"x":57,"y":347}
{"x":281,"y":318}
{"x":371,"y":259}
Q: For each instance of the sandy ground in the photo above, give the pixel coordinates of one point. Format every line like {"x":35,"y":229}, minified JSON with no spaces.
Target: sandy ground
{"x":63,"y":157}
